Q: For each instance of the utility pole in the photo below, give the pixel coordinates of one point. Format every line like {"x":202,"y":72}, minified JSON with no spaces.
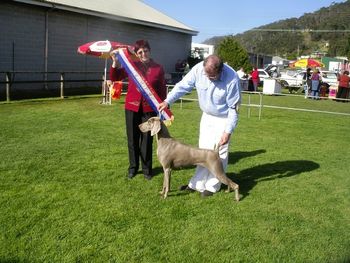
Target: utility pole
{"x":298,"y":50}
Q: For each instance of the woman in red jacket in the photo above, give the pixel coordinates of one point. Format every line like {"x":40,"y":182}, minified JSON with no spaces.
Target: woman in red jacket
{"x":255,"y":78}
{"x":137,"y":109}
{"x":343,"y":87}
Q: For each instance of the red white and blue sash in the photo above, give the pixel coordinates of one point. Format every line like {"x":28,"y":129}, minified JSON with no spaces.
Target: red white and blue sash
{"x":142,"y":84}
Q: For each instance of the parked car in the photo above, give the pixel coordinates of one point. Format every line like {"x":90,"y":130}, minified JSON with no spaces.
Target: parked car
{"x":291,"y":78}
{"x":294,"y":79}
{"x":274,"y":70}
{"x":263,"y":75}
{"x":329,"y":77}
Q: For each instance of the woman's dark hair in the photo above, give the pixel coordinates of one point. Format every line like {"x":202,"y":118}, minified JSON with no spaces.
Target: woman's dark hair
{"x":141,"y":44}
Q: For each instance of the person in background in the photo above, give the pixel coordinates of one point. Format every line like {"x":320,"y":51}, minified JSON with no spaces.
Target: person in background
{"x":218,"y":89}
{"x":179,"y":71}
{"x":307,"y":82}
{"x":315,"y":84}
{"x":243,"y":77}
{"x":343,"y":87}
{"x":186,"y":66}
{"x":137,"y":109}
{"x":241,"y":74}
{"x":179,"y":66}
{"x":255,"y":78}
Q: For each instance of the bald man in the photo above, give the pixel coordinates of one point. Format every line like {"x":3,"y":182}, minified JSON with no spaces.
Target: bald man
{"x":218,"y":90}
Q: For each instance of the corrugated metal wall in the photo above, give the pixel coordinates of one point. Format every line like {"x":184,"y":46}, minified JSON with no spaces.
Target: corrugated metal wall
{"x":23,"y":40}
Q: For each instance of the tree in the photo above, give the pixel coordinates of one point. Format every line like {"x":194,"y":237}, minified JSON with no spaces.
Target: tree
{"x":300,"y":36}
{"x":347,"y":49}
{"x":232,"y":53}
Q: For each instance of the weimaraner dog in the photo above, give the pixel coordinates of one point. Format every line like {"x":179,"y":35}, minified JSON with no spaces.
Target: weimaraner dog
{"x":174,"y":154}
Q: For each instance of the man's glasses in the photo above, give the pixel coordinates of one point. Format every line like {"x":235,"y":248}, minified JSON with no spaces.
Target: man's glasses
{"x":213,"y":75}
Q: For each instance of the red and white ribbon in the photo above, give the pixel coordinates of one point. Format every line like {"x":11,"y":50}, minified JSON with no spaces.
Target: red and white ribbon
{"x":143,"y":86}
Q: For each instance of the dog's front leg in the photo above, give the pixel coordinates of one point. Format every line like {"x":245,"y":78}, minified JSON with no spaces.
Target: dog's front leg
{"x":163,"y":187}
{"x":166,"y":182}
{"x":237,"y":193}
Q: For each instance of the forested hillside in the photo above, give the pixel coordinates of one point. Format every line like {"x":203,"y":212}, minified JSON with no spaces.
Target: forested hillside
{"x":326,"y":30}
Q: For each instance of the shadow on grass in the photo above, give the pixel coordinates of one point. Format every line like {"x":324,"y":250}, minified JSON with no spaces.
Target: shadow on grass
{"x":248,"y":178}
{"x":234,"y":157}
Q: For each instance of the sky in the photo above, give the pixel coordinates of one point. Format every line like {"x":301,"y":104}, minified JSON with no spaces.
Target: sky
{"x":224,"y":17}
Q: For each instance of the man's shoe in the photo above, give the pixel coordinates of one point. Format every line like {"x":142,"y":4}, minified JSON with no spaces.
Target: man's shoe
{"x":148,"y":176}
{"x":186,"y":188}
{"x":206,"y":193}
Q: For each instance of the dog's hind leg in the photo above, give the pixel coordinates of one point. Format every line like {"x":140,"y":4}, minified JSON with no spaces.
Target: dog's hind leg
{"x":232,"y":185}
{"x":216,"y":168}
{"x":236,"y":188}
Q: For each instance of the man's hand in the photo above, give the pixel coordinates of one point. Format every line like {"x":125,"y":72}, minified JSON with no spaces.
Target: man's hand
{"x":162,"y":106}
{"x":224,"y":138}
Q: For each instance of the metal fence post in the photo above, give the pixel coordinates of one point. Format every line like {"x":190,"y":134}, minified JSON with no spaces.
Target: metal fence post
{"x":260,"y":104}
{"x":62,"y":85}
{"x":103,"y":91}
{"x":8,"y":77}
{"x":249,"y":105}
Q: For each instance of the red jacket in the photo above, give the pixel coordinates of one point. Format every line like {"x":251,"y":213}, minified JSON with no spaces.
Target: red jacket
{"x":154,"y":76}
{"x":255,"y":76}
{"x":344,"y":81}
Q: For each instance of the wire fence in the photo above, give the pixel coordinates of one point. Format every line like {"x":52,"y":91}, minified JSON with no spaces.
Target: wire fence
{"x":250,"y":103}
{"x":44,"y":79}
{"x":106,"y":96}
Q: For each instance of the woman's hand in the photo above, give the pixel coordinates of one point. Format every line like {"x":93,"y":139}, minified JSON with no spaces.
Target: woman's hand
{"x":113,"y":55}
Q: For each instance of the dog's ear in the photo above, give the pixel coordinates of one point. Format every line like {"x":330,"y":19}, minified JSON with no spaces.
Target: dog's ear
{"x":156,"y":127}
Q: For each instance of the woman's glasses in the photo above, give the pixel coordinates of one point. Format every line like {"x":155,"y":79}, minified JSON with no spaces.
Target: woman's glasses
{"x":142,"y":51}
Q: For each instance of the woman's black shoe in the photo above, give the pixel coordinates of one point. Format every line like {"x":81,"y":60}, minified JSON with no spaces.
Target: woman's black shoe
{"x":148,"y":176}
{"x":131,"y":175}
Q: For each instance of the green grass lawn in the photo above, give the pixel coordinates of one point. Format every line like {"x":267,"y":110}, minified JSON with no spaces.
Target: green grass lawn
{"x":64,"y":196}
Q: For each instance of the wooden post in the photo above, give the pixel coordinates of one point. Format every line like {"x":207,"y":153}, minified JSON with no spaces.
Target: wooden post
{"x":8,"y":77}
{"x":62,"y":85}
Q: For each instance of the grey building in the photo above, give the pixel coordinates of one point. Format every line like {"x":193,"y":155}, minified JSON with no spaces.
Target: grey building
{"x":44,"y":36}
{"x":259,"y":60}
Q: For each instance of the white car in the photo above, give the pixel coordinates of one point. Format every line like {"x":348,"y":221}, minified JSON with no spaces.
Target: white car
{"x":329,"y":77}
{"x":295,"y":78}
{"x":292,"y":78}
{"x":263,"y":75}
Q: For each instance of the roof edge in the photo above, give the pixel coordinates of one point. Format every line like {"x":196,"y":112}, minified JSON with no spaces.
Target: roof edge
{"x":105,"y":15}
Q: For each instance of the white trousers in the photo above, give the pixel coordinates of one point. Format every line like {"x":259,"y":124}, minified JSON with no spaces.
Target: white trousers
{"x":211,"y":130}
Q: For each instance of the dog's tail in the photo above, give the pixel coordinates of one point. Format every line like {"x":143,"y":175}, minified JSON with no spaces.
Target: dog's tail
{"x":216,"y":148}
